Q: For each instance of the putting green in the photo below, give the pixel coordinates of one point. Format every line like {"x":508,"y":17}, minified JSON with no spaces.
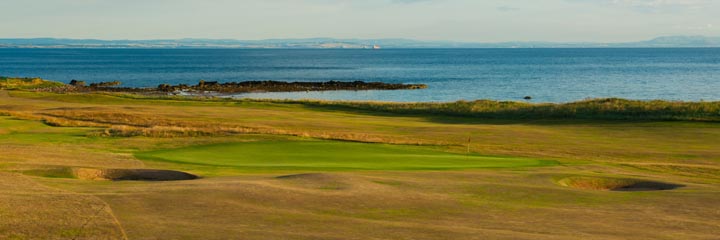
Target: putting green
{"x":331,"y":155}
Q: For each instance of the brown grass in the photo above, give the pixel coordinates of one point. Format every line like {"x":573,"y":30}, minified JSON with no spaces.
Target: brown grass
{"x":607,"y":109}
{"x":27,"y":83}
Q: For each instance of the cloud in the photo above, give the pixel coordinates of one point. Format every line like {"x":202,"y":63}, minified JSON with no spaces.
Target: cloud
{"x":653,"y":5}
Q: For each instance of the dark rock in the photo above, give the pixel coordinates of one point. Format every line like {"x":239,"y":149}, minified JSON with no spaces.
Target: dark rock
{"x":105,"y":84}
{"x":165,"y":87}
{"x":278,"y":86}
{"x":253,"y":86}
{"x":77,"y":83}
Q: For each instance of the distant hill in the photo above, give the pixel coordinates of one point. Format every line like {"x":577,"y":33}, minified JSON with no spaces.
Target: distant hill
{"x":662,"y":42}
{"x":683,"y":41}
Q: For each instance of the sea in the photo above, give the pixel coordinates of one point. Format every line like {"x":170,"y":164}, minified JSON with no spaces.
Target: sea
{"x":546,"y":75}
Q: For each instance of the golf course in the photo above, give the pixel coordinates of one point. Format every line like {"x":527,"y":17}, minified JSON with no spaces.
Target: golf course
{"x":109,"y":165}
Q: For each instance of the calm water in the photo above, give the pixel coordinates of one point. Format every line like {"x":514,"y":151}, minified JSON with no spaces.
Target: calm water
{"x":549,"y":75}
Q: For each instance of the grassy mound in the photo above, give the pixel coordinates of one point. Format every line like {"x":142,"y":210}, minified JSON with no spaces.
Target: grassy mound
{"x":615,"y":184}
{"x":27,"y":83}
{"x":330,"y":155}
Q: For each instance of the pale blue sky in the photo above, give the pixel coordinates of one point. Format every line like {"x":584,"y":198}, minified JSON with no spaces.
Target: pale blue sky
{"x":459,"y":20}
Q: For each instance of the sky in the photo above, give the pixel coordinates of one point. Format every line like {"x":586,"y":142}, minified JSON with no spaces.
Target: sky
{"x":454,"y":20}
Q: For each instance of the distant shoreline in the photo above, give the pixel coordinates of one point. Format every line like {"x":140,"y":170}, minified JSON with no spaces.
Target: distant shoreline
{"x":333,"y":43}
{"x":349,"y":49}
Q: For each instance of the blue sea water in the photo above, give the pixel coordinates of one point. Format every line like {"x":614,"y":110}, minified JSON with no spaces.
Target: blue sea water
{"x":548,"y":75}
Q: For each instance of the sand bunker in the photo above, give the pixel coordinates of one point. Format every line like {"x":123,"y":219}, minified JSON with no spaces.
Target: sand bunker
{"x":616,"y":184}
{"x":131,"y":174}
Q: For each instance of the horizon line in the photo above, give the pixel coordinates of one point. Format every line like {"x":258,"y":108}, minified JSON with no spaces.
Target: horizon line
{"x":356,"y":38}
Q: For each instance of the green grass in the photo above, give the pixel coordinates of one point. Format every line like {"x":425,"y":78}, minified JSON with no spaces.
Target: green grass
{"x":30,"y":132}
{"x":329,"y":155}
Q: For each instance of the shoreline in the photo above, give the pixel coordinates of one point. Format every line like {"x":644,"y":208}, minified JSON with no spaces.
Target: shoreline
{"x":240,"y":87}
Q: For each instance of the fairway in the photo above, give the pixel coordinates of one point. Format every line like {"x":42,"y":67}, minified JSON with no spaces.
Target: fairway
{"x":330,"y":155}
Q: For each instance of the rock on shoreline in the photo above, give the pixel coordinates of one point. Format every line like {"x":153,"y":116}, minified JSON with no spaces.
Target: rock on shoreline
{"x":278,"y":86}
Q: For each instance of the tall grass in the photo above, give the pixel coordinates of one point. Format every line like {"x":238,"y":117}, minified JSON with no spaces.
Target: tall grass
{"x":604,"y":109}
{"x":27,"y":83}
{"x":600,"y":109}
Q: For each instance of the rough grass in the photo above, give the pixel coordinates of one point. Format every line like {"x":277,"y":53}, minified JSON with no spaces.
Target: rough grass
{"x":591,"y":109}
{"x":27,"y":83}
{"x":598,"y":109}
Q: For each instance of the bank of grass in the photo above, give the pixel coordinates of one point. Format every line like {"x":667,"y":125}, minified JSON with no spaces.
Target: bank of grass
{"x":591,"y":109}
{"x":27,"y":83}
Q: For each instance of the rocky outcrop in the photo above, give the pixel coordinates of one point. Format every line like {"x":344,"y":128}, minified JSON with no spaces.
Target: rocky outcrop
{"x":240,"y":87}
{"x":278,"y":86}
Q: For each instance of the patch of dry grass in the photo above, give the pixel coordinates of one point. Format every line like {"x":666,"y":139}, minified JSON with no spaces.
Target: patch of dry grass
{"x":27,"y":83}
{"x":29,"y":210}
